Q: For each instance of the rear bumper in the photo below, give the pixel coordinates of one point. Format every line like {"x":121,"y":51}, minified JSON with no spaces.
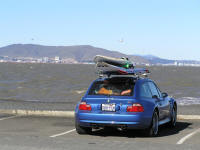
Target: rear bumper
{"x":131,"y":121}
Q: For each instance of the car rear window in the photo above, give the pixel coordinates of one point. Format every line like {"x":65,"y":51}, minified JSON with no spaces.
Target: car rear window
{"x":115,"y":87}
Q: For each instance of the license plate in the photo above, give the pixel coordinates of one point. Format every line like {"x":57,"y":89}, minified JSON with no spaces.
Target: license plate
{"x":108,"y":107}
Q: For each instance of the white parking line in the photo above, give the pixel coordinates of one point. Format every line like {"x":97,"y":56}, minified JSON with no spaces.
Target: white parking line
{"x":181,"y":141}
{"x":63,"y":133}
{"x":4,"y":118}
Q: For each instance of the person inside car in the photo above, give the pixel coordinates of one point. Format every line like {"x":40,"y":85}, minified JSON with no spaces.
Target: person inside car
{"x":109,"y":89}
{"x":104,"y":89}
{"x":126,"y":89}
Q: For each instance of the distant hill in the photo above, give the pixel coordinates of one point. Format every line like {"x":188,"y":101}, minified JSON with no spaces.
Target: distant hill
{"x":157,"y":60}
{"x":80,"y":53}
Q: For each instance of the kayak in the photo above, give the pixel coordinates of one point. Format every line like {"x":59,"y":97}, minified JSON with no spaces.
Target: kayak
{"x":118,"y":62}
{"x":108,"y":69}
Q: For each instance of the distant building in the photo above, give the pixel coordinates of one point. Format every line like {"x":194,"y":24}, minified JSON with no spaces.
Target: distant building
{"x":45,"y":59}
{"x":69,"y":61}
{"x":175,"y":63}
{"x":57,"y":59}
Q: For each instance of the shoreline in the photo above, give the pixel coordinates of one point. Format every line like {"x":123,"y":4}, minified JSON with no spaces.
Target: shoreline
{"x":193,"y":109}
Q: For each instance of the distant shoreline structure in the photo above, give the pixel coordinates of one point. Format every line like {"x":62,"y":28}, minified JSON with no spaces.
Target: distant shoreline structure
{"x":57,"y":60}
{"x":43,"y":60}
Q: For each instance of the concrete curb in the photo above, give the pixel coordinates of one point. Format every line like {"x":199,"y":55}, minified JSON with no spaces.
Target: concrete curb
{"x":188,"y":117}
{"x":68,"y":114}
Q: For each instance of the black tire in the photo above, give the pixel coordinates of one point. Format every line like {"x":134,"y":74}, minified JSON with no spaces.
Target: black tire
{"x":152,"y":131}
{"x":172,"y":123}
{"x":108,"y":129}
{"x":82,"y":130}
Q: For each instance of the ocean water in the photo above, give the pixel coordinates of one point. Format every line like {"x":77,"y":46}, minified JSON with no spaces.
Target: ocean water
{"x":68,"y":82}
{"x":188,"y":101}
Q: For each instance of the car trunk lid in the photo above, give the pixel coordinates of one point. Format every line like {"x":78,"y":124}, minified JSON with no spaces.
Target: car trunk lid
{"x":109,"y":104}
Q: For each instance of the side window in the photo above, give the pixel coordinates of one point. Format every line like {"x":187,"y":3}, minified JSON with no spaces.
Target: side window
{"x":153,"y":88}
{"x":159,"y":92}
{"x":145,"y":91}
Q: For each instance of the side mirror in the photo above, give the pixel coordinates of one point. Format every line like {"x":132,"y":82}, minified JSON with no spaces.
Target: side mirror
{"x":164,"y":95}
{"x":155,"y":96}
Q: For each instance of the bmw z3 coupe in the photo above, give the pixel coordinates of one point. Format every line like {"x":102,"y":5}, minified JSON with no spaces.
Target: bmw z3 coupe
{"x":125,"y":102}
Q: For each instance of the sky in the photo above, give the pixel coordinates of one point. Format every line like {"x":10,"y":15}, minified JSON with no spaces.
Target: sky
{"x":165,"y":28}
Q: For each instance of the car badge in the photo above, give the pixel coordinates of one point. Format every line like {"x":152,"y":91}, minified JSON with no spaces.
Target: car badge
{"x":108,"y":100}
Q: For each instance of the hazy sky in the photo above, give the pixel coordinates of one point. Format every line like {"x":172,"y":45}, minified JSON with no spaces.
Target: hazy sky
{"x":165,"y":28}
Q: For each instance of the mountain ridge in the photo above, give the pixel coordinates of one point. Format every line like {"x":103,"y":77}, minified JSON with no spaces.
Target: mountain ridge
{"x":80,"y":53}
{"x":157,"y":60}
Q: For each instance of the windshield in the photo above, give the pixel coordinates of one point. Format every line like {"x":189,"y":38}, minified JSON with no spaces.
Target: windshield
{"x":117,"y":87}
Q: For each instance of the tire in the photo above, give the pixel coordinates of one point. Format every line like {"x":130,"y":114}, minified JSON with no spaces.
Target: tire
{"x":108,"y":129}
{"x":172,"y":123}
{"x":152,"y":131}
{"x":82,"y":130}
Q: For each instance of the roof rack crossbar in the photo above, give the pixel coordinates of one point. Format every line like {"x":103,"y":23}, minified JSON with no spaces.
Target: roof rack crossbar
{"x":144,"y":75}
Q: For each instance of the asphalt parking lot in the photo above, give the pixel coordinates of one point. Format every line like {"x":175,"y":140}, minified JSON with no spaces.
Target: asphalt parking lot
{"x":19,"y":132}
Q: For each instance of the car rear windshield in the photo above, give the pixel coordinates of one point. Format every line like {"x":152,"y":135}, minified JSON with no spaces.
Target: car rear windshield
{"x":114,"y":86}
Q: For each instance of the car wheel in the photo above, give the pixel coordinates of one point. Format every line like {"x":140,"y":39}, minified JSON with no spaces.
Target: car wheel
{"x":172,"y":123}
{"x":108,"y":129}
{"x":82,"y":130}
{"x":153,"y":129}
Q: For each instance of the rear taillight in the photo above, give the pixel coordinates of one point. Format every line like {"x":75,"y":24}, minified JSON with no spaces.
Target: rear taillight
{"x":135,"y":108}
{"x":84,"y":106}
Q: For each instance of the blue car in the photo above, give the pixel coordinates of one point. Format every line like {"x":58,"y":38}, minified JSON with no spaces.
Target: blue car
{"x":125,"y":102}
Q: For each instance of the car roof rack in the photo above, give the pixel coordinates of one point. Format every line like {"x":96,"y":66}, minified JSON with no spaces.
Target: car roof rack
{"x":136,"y":73}
{"x":108,"y":66}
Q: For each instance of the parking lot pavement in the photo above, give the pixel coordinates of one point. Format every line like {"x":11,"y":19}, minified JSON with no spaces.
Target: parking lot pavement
{"x":17,"y":132}
{"x":194,"y":139}
{"x":34,"y":126}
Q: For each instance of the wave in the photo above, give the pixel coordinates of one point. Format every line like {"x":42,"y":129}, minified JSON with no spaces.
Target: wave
{"x":188,"y":100}
{"x":79,"y":91}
